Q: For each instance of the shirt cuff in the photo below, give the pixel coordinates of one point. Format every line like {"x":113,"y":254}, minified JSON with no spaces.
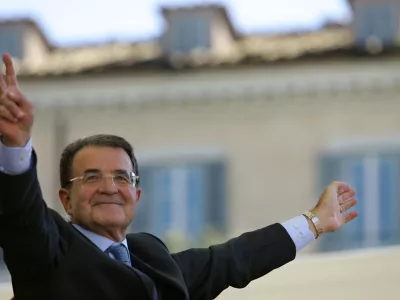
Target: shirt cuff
{"x":299,"y":231}
{"x":15,"y":160}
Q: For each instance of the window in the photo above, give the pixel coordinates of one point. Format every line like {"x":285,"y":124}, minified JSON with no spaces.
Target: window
{"x":11,"y":41}
{"x":4,"y":273}
{"x":375,"y":178}
{"x":189,"y":32}
{"x":379,"y":20}
{"x":183,"y":200}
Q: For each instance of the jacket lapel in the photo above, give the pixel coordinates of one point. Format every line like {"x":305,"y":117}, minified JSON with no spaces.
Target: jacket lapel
{"x":157,"y":270}
{"x":159,"y":265}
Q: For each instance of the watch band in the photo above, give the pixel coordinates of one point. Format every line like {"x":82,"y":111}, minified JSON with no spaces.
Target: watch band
{"x":314,"y":219}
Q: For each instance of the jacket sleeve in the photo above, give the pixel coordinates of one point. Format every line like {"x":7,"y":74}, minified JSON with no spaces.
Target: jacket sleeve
{"x":28,"y":233}
{"x":236,"y":263}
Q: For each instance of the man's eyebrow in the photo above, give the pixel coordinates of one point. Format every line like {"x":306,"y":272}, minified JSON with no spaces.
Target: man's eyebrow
{"x":91,"y":171}
{"x":119,"y":171}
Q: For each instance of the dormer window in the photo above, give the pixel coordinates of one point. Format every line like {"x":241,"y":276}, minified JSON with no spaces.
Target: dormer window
{"x":197,"y":28}
{"x":376,"y":21}
{"x":189,"y":32}
{"x":11,"y":40}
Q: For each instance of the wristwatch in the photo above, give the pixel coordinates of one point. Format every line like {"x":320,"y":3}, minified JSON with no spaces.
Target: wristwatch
{"x":314,"y":219}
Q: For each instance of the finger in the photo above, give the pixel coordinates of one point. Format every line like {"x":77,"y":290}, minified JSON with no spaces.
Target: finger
{"x":346,"y":196}
{"x":348,"y":204}
{"x":11,"y":77}
{"x":13,"y":108}
{"x":15,"y":96}
{"x":3,"y":86}
{"x":6,"y":114}
{"x":350,"y":216}
{"x":342,"y":187}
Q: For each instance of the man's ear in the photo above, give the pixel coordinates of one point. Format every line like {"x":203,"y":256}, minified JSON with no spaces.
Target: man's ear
{"x":64,"y":196}
{"x":138,"y":193}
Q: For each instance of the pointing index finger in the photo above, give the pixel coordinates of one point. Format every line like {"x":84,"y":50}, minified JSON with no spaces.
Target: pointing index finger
{"x":11,"y":77}
{"x":3,"y":85}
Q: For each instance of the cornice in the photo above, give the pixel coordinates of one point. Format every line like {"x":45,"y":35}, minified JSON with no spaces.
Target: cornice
{"x":246,"y":85}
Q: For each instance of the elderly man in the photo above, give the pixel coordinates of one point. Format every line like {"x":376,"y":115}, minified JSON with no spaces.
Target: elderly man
{"x":92,"y":257}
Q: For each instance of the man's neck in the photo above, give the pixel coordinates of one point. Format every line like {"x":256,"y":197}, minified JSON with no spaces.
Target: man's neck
{"x":114,"y":234}
{"x":100,"y":241}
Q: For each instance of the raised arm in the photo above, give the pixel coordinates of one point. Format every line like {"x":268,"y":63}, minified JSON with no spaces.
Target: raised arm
{"x":239,"y":261}
{"x":28,"y":234}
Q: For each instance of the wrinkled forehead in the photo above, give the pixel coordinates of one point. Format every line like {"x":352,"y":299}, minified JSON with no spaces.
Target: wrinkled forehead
{"x":104,"y":159}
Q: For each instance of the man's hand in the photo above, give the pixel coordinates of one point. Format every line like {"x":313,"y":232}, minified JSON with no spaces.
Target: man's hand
{"x":16,"y":113}
{"x":333,"y":204}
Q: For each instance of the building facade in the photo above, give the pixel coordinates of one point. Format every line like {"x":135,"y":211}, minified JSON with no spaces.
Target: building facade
{"x":232,"y":132}
{"x":239,"y":149}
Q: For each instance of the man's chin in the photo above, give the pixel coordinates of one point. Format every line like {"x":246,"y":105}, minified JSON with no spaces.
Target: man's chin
{"x":109,"y":214}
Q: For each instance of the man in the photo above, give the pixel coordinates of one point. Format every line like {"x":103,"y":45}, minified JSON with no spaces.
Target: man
{"x":91,"y":257}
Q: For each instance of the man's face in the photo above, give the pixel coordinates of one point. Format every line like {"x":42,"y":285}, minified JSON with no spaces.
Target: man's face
{"x":104,"y":206}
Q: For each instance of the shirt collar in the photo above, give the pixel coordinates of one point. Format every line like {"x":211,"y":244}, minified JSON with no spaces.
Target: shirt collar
{"x":100,"y":241}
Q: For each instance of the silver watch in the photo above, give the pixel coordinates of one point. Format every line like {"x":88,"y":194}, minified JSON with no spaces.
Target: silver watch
{"x":314,"y":219}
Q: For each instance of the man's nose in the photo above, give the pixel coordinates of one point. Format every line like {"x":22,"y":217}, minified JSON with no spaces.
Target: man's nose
{"x":107,"y":185}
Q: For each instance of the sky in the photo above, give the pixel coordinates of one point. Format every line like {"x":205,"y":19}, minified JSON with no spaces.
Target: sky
{"x":80,"y":21}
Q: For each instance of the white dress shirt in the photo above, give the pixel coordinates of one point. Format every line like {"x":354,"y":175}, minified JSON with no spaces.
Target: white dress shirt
{"x":17,"y":160}
{"x":100,"y":241}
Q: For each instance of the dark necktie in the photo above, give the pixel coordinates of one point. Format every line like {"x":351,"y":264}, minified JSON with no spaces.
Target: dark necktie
{"x":121,"y":253}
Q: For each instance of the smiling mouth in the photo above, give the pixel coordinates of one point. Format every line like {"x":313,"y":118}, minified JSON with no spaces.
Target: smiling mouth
{"x":107,"y":203}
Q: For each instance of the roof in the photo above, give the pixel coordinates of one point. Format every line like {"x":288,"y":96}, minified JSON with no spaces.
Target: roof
{"x":149,"y":54}
{"x":29,"y":23}
{"x":135,"y":56}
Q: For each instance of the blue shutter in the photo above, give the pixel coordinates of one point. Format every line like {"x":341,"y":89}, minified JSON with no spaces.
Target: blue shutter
{"x":175,"y":37}
{"x":11,"y":41}
{"x":206,"y":186}
{"x":203,"y":29}
{"x":216,"y":206}
{"x":353,"y":234}
{"x":386,"y":23}
{"x":2,"y":263}
{"x":189,"y":32}
{"x":329,"y":170}
{"x":380,"y":19}
{"x":196,"y":197}
{"x":389,"y":200}
{"x":160,"y":205}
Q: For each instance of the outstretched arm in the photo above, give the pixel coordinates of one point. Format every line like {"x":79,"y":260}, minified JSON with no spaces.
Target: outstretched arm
{"x":239,"y":261}
{"x":236,"y":263}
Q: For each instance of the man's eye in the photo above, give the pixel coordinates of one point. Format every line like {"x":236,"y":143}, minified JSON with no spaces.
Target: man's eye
{"x":91,"y":178}
{"x":121,"y":178}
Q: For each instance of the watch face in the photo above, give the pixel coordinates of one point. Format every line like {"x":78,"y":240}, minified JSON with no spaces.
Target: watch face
{"x":310,"y":215}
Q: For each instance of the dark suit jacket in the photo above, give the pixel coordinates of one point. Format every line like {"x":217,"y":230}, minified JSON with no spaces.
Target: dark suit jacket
{"x":49,"y":259}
